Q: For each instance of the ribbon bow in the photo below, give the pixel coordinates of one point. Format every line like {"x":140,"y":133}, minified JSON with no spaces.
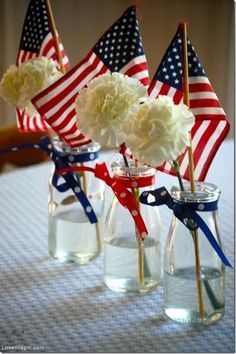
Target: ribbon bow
{"x":186,"y":213}
{"x":63,"y":161}
{"x":125,"y":197}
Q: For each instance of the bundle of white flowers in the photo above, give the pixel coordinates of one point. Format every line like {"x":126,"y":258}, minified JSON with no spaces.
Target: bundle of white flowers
{"x":114,"y":108}
{"x":103,"y":106}
{"x":20,"y":84}
{"x":157,"y":130}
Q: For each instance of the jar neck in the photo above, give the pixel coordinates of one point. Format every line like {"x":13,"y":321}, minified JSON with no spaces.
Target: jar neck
{"x":204,"y":193}
{"x":136,"y":182}
{"x":133,"y":176}
{"x":89,"y":152}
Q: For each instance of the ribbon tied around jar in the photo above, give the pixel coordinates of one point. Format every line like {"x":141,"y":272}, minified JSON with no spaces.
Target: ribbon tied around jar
{"x":186,"y":213}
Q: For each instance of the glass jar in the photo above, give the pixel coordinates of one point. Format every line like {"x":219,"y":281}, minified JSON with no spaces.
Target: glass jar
{"x":194,"y":275}
{"x":71,"y":236}
{"x":129,"y":263}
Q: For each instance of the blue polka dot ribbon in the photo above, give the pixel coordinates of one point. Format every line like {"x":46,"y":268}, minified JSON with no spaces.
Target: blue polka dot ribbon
{"x":63,"y":161}
{"x":186,"y":213}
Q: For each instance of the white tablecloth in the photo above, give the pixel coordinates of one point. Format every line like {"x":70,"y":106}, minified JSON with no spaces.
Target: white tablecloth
{"x":48,"y":306}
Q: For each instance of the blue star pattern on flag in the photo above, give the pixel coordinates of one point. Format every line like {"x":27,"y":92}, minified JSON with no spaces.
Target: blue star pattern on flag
{"x":37,"y":40}
{"x":121,"y":43}
{"x":36,"y":28}
{"x":171,"y":71}
{"x":119,"y":49}
{"x":171,"y":67}
{"x":211,"y":125}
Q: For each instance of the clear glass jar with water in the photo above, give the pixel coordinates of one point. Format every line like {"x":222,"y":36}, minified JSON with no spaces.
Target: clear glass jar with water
{"x":71,"y":237}
{"x":129,"y":263}
{"x":194,"y":275}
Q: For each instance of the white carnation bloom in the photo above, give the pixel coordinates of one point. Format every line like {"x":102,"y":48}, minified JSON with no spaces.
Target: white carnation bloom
{"x":20,"y":84}
{"x":103,"y":105}
{"x":158,"y":130}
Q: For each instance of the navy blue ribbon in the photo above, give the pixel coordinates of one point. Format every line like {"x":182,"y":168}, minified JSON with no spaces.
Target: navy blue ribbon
{"x":63,"y":160}
{"x":186,"y":213}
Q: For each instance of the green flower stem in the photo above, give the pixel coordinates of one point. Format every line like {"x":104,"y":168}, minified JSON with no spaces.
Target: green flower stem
{"x":125,"y":160}
{"x":176,"y":168}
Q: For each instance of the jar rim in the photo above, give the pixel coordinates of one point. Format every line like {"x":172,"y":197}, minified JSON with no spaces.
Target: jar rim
{"x":61,"y":146}
{"x":204,"y":192}
{"x":119,"y":169}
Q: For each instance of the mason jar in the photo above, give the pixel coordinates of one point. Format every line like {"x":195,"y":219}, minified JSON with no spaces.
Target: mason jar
{"x":71,"y":236}
{"x":194,"y":275}
{"x":131,"y":264}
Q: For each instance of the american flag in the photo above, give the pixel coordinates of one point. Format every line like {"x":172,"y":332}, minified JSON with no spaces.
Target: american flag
{"x":211,"y":126}
{"x":36,"y":41}
{"x":119,"y":49}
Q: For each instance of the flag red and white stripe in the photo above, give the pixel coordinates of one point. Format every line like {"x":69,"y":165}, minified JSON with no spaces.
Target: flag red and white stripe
{"x":36,"y":41}
{"x":211,"y":125}
{"x":210,"y":129}
{"x":30,"y":124}
{"x":137,"y":69}
{"x":57,"y":103}
{"x":48,"y":49}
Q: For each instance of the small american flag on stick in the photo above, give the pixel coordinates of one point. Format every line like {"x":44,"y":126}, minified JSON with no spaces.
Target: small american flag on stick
{"x":211,"y":126}
{"x":37,"y":40}
{"x":119,"y":49}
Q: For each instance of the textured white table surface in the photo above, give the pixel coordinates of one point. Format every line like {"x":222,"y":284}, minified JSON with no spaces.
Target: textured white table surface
{"x":48,"y":306}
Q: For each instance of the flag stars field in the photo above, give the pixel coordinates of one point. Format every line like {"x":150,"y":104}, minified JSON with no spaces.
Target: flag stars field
{"x":121,"y":41}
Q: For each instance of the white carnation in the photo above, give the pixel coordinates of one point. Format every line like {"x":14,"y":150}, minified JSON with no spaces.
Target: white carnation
{"x":20,"y":84}
{"x":103,"y":105}
{"x":158,"y":130}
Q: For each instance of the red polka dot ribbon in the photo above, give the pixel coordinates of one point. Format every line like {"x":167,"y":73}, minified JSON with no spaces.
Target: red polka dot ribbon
{"x":125,"y":197}
{"x":129,"y":182}
{"x":125,"y":151}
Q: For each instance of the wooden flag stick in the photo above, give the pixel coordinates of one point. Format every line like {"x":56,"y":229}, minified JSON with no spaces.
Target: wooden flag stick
{"x":191,"y":173}
{"x":186,"y":101}
{"x":55,"y":36}
{"x":84,"y":179}
{"x":140,"y":243}
{"x":62,"y":67}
